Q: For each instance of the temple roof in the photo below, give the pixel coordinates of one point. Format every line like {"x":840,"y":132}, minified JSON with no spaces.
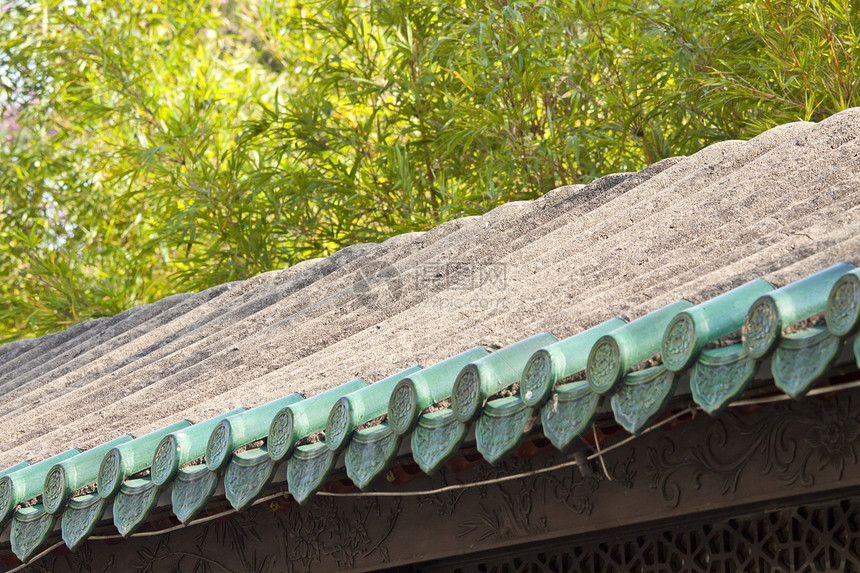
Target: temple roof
{"x":693,"y":284}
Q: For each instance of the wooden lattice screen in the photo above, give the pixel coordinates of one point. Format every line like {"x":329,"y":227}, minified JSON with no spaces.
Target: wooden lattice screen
{"x":823,"y":538}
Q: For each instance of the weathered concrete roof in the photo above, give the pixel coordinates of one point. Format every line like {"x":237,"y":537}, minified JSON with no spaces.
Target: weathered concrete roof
{"x":780,"y":207}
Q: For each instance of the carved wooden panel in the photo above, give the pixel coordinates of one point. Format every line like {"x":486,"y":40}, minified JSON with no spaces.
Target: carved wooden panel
{"x":809,"y":539}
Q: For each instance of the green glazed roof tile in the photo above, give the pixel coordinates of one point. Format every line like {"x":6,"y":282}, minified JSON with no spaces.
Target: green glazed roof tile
{"x":843,"y":305}
{"x":192,"y":488}
{"x":26,"y":483}
{"x":569,"y":413}
{"x":560,"y":360}
{"x":13,"y":469}
{"x":502,"y":427}
{"x":370,"y":453}
{"x":618,"y":352}
{"x":247,"y":475}
{"x":486,"y":376}
{"x":642,"y":396}
{"x":81,"y":517}
{"x":31,"y":528}
{"x":775,"y":311}
{"x":241,"y":429}
{"x":68,"y":476}
{"x":720,"y":375}
{"x":857,"y":350}
{"x":608,"y":352}
{"x":436,"y":438}
{"x":692,"y":329}
{"x":298,"y":421}
{"x":426,"y":387}
{"x":130,"y":457}
{"x":134,"y":503}
{"x":803,"y":358}
{"x":308,"y":469}
{"x":186,"y":445}
{"x":356,"y":408}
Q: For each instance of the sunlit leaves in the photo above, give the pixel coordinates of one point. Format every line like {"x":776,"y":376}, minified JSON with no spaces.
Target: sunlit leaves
{"x":158,"y":146}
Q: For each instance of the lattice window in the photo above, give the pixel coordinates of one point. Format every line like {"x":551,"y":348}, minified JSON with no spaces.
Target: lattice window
{"x":804,"y":539}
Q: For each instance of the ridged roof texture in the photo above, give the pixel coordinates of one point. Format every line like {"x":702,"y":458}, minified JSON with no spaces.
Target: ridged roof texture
{"x":781,"y":207}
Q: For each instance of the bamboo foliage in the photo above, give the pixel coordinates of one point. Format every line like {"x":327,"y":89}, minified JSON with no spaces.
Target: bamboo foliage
{"x":163,"y":146}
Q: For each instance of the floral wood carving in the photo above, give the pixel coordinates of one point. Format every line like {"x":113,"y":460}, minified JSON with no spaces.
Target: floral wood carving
{"x":445,"y":502}
{"x":508,"y":509}
{"x":341,"y":532}
{"x":509,"y":519}
{"x":793,"y":442}
{"x":163,"y":557}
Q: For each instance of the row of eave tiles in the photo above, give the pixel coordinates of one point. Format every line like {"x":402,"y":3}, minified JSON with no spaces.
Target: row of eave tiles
{"x":608,"y":355}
